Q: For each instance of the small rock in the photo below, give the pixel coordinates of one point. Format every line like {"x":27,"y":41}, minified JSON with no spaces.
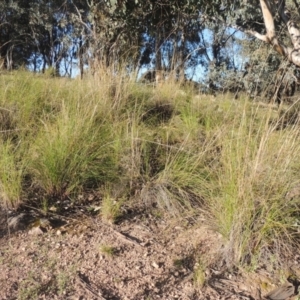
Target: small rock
{"x":53,"y":208}
{"x":35,"y":231}
{"x":44,"y":223}
{"x":91,"y":197}
{"x":17,"y":222}
{"x":155,"y":265}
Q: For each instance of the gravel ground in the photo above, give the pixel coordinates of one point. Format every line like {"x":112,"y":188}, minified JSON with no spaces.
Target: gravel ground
{"x":143,"y":257}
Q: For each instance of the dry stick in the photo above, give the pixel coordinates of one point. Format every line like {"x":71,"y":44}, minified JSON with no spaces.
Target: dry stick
{"x":88,"y":287}
{"x":124,"y":237}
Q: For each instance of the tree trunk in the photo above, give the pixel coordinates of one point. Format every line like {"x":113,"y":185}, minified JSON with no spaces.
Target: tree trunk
{"x":292,"y":54}
{"x":181,"y":76}
{"x":158,"y":43}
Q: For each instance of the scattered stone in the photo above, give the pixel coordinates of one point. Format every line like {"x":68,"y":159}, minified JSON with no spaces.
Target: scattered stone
{"x":53,"y":208}
{"x":35,"y":231}
{"x":17,"y":222}
{"x":44,"y":264}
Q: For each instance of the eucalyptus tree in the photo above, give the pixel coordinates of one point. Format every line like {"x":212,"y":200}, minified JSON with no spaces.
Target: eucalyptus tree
{"x":172,"y":32}
{"x":272,"y":22}
{"x":34,"y":33}
{"x":276,"y":25}
{"x":276,"y":15}
{"x":174,"y":35}
{"x":51,"y":31}
{"x":14,"y":33}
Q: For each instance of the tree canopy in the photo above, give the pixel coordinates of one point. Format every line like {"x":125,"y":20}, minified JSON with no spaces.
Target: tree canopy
{"x":186,"y":37}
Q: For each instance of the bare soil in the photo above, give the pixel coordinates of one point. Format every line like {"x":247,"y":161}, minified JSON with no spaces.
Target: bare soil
{"x":142,"y":257}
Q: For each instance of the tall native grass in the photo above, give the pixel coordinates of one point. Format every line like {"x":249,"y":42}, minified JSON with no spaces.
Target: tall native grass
{"x":249,"y":205}
{"x":11,"y":174}
{"x":231,"y":161}
{"x":73,"y":150}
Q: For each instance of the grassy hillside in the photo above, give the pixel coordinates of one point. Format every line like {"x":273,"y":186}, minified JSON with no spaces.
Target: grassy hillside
{"x":232,"y":165}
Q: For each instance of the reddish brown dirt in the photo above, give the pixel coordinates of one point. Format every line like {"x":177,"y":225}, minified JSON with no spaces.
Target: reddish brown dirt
{"x":143,"y":257}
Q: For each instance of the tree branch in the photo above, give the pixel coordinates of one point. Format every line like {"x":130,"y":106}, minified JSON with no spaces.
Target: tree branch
{"x":292,"y":54}
{"x":293,"y":28}
{"x":262,"y":37}
{"x":268,"y":19}
{"x":270,"y":28}
{"x":80,"y":19}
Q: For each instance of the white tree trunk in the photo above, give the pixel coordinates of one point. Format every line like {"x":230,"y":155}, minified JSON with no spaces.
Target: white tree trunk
{"x":292,"y":54}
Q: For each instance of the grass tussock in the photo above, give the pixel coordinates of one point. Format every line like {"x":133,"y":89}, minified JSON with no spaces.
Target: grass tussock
{"x":249,"y":204}
{"x":228,"y":160}
{"x":11,"y":174}
{"x":73,"y":150}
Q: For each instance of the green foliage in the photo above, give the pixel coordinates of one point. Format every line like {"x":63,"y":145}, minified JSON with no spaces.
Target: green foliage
{"x":249,"y":206}
{"x":229,"y":161}
{"x":24,"y":98}
{"x":110,"y":207}
{"x":174,"y":35}
{"x":72,"y":151}
{"x":107,"y":250}
{"x":199,"y":277}
{"x":11,"y":174}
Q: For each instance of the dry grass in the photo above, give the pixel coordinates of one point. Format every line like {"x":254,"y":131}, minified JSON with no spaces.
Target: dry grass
{"x":227,"y":159}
